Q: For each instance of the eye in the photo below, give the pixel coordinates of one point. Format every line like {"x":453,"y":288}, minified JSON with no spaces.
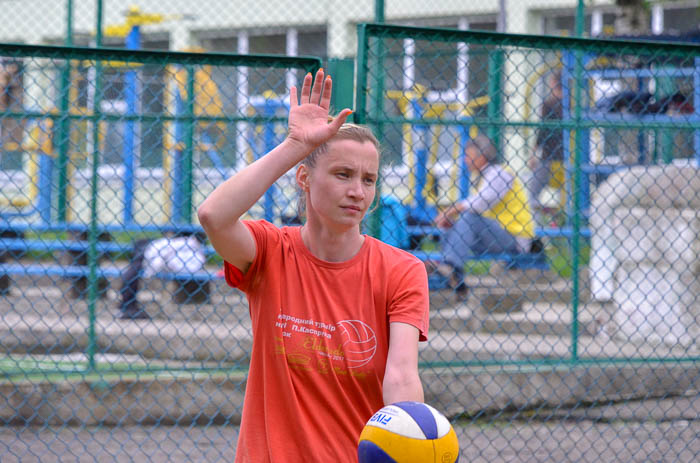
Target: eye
{"x":370,"y":180}
{"x":342,"y":174}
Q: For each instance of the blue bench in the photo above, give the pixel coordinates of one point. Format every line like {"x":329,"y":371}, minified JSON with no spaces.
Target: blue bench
{"x":512,"y":261}
{"x":20,"y":245}
{"x":519,"y":261}
{"x":192,"y":286}
{"x":77,"y":271}
{"x":435,"y":232}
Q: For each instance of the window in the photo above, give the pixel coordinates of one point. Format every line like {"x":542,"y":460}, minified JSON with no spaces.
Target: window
{"x":221,"y":136}
{"x":149,"y":85}
{"x":563,"y":23}
{"x":679,"y":21}
{"x":241,"y":88}
{"x":451,"y":71}
{"x":313,"y":43}
{"x":11,"y":100}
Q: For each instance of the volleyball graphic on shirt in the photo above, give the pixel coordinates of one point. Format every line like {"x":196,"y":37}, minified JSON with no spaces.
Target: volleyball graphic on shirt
{"x":359,"y":342}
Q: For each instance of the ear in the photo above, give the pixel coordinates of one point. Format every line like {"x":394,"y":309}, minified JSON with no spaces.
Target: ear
{"x":302,"y":177}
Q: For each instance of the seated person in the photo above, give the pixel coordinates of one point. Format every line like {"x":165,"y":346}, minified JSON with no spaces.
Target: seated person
{"x":495,"y":219}
{"x":182,"y":254}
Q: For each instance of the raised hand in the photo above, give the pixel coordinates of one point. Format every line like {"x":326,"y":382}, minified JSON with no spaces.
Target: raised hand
{"x":308,"y":118}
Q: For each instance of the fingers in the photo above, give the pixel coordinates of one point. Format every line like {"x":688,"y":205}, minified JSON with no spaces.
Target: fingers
{"x":317,"y":88}
{"x":293,"y":99}
{"x":306,"y":88}
{"x":317,"y":93}
{"x":340,"y":119}
{"x":327,"y":90}
{"x":443,"y":220}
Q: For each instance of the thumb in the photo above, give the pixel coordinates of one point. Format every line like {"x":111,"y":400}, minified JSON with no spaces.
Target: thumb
{"x":340,"y":119}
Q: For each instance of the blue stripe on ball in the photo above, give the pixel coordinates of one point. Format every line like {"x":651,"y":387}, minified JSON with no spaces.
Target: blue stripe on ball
{"x":422,"y":416}
{"x":369,"y":452}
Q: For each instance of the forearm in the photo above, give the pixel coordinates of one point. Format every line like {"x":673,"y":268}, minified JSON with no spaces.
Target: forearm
{"x":234,"y":197}
{"x":401,"y":380}
{"x":403,"y":387}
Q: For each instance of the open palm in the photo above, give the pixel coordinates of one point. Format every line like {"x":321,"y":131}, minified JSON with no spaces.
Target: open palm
{"x":308,"y":119}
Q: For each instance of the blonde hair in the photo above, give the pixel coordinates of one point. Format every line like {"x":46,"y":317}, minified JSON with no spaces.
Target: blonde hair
{"x":347,"y":131}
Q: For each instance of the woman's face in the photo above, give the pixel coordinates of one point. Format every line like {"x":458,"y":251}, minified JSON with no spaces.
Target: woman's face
{"x":342,"y":185}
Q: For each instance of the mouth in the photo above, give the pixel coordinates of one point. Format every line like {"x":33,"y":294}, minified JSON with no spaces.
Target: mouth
{"x":351,"y":208}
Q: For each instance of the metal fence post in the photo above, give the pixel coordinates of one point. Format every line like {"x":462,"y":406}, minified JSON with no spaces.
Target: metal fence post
{"x":495,"y":89}
{"x":343,"y":72}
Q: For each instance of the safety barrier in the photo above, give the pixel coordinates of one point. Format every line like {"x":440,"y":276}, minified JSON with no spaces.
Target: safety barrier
{"x":529,"y":342}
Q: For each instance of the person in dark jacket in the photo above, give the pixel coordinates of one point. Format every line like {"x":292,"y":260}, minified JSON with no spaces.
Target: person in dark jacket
{"x":547,"y":159}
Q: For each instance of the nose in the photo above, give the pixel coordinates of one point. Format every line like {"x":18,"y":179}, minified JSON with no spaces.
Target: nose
{"x":356,"y":189}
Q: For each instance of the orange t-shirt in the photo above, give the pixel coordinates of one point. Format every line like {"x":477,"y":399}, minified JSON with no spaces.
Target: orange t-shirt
{"x":320,"y":343}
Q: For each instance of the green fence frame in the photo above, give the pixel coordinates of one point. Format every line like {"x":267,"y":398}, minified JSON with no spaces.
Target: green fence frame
{"x":197,"y":383}
{"x":63,"y":116}
{"x":370,"y":96}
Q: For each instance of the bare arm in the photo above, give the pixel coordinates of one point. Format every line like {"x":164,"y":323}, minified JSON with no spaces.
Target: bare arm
{"x":401,"y":380}
{"x":221,"y":211}
{"x":494,"y":187}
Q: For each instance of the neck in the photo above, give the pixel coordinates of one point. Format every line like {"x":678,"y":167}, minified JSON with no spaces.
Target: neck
{"x":332,"y":246}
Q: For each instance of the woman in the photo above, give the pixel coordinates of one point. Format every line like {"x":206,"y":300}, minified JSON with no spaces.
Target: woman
{"x":336,"y":315}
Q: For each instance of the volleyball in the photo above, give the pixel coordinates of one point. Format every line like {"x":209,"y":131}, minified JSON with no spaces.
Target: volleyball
{"x":408,"y":432}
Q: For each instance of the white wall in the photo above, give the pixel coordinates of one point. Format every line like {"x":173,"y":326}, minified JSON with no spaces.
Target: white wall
{"x":41,"y":21}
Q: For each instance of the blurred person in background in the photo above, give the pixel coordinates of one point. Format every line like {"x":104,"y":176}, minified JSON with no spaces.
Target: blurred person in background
{"x":546,"y":161}
{"x":182,"y":255}
{"x":494,"y":219}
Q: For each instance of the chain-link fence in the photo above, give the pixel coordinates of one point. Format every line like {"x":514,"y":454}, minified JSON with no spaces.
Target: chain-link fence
{"x":323,"y":28}
{"x":575,"y":167}
{"x":106,"y":281}
{"x":586,"y":297}
{"x":572,"y":128}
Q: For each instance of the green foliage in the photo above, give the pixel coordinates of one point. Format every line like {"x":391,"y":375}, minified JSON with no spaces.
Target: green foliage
{"x":560,"y":256}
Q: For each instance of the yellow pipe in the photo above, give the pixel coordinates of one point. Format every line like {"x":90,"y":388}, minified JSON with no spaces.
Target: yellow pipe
{"x":38,"y":144}
{"x":436,"y":111}
{"x":402,"y":102}
{"x":407,"y":141}
{"x":70,"y":192}
{"x":530,"y":86}
{"x":15,"y":202}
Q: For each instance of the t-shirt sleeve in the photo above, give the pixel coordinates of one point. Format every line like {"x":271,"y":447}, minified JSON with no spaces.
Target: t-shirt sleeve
{"x":261,"y":231}
{"x":497,"y":182}
{"x":410,"y":302}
